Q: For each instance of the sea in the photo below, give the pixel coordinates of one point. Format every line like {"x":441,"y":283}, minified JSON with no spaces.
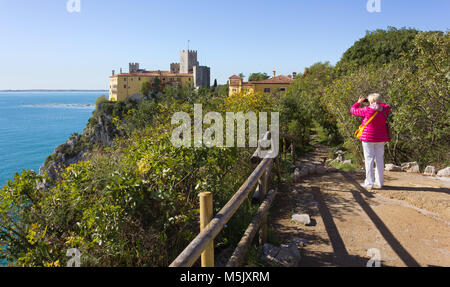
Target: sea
{"x":34,"y":123}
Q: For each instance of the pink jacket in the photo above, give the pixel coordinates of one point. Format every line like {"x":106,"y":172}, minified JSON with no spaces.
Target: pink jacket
{"x":376,"y":130}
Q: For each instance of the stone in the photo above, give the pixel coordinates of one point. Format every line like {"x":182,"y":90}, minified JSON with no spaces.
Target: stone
{"x":300,"y":173}
{"x":430,"y":170}
{"x":307,"y":196}
{"x":348,"y":161}
{"x":444,"y":172}
{"x":270,"y":252}
{"x":412,"y":167}
{"x":392,"y":167}
{"x":300,"y":242}
{"x":301,"y":218}
{"x":332,"y":169}
{"x":321,"y":170}
{"x":287,"y":255}
{"x":310,"y":169}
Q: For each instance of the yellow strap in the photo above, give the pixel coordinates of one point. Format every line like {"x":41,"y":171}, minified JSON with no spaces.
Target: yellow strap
{"x":368,"y":122}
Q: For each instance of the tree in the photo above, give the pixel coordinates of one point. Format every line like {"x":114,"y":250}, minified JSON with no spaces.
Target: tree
{"x":145,"y":89}
{"x":241,"y":75}
{"x":378,"y":47}
{"x":302,"y":104}
{"x":215,"y":83}
{"x":258,"y":77}
{"x":157,"y":86}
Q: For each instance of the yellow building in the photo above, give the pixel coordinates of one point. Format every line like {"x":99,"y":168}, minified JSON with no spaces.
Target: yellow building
{"x":124,"y":85}
{"x":186,"y":73}
{"x":269,"y":86}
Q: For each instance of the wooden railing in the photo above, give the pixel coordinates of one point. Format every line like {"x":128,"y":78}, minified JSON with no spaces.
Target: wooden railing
{"x":203,"y":244}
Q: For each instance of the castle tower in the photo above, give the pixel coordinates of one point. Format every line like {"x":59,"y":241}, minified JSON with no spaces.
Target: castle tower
{"x":133,"y":67}
{"x":188,"y":59}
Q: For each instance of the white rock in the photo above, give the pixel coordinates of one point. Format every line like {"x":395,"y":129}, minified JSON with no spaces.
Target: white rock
{"x":412,"y":167}
{"x":349,"y":161}
{"x":302,"y":218}
{"x":444,"y":172}
{"x":430,"y":170}
{"x":392,"y":167}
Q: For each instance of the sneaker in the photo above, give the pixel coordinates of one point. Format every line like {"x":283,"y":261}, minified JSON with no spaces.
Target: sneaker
{"x":378,"y":186}
{"x":368,"y":187}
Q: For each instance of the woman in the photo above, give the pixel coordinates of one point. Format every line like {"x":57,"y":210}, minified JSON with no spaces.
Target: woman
{"x":373,"y":138}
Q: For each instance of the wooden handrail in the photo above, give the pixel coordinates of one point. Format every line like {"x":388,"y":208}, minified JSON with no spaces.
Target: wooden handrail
{"x":193,"y":251}
{"x":238,"y":255}
{"x":203,"y":241}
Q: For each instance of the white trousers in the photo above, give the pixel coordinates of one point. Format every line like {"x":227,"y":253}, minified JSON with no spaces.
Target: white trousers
{"x":374,"y":152}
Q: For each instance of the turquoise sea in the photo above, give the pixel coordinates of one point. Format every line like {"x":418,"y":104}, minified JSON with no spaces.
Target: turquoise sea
{"x":33,"y":124}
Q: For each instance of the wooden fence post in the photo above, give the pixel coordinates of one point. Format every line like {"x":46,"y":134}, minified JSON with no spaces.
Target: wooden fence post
{"x":206,"y":214}
{"x":263,"y":193}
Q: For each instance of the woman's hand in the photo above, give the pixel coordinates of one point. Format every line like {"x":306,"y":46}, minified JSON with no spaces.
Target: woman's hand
{"x":361,"y":100}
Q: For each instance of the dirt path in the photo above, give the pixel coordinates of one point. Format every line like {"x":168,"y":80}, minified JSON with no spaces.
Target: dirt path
{"x":408,"y":222}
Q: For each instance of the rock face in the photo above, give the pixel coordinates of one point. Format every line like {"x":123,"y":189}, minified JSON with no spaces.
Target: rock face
{"x":287,"y":255}
{"x":392,"y":167}
{"x":100,"y":132}
{"x":63,"y":156}
{"x":412,"y":167}
{"x":444,"y":172}
{"x":301,"y":218}
{"x":430,"y":170}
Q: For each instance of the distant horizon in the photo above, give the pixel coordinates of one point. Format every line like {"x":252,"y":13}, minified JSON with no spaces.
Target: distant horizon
{"x":54,"y":90}
{"x":49,"y":47}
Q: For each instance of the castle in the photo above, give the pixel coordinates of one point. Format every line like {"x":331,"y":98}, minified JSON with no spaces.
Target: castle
{"x":186,"y":73}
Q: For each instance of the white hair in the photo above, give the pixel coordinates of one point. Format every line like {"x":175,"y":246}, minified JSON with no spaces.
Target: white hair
{"x":375,"y":98}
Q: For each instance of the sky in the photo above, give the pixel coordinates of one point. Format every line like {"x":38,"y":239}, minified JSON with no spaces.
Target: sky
{"x":44,"y":46}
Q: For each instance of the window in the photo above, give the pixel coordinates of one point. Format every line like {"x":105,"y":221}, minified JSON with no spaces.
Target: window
{"x":125,"y":79}
{"x":124,"y":86}
{"x":266,"y":90}
{"x":283,"y":89}
{"x":139,"y":79}
{"x":234,"y":90}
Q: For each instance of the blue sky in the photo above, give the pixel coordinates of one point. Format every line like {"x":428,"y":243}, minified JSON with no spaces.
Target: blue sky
{"x":43,"y":46}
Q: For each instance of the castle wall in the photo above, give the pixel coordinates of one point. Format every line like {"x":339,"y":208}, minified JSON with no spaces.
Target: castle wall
{"x":202,"y":76}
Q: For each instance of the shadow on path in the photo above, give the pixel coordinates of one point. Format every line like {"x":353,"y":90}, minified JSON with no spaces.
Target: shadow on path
{"x":384,"y":230}
{"x":427,"y":189}
{"x":341,"y":256}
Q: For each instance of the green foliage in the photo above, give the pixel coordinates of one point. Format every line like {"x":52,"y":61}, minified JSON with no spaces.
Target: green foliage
{"x":134,"y":205}
{"x":100,"y":100}
{"x":258,"y":76}
{"x":416,"y":87}
{"x":145,"y":89}
{"x":377,"y":48}
{"x":302,"y":104}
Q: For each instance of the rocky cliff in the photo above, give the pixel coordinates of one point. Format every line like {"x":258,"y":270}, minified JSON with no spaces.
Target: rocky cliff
{"x":99,"y":133}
